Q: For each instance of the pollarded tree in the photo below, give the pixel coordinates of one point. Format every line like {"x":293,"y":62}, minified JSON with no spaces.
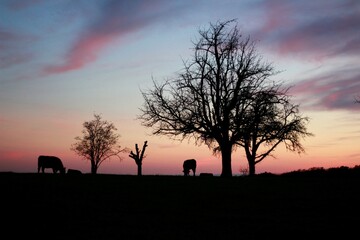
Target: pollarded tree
{"x":208,"y":100}
{"x":98,"y":143}
{"x":271,"y":119}
{"x":138,"y":157}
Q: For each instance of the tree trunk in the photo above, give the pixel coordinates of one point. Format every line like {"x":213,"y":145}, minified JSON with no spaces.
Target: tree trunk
{"x":251,"y":169}
{"x":139,"y":169}
{"x":250,"y":156}
{"x":93,"y":167}
{"x":251,"y":162}
{"x":226,"y":160}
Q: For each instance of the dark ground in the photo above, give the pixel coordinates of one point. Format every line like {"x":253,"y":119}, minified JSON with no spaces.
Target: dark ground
{"x":39,"y":206}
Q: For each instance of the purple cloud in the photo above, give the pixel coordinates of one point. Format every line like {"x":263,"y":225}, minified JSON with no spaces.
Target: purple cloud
{"x":317,"y":30}
{"x":14,"y":59}
{"x":10,"y":55}
{"x":20,"y":4}
{"x":333,"y":91}
{"x":314,"y":29}
{"x":7,"y":36}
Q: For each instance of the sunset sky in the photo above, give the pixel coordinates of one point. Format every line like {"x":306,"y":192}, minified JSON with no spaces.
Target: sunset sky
{"x":61,"y":61}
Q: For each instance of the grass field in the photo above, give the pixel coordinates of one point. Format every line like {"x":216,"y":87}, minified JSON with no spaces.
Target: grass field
{"x":175,"y":207}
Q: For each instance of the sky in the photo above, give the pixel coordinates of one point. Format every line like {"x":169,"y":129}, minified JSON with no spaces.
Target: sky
{"x":63,"y":61}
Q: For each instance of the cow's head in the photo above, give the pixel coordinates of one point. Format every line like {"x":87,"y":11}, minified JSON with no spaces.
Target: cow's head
{"x":186,"y":172}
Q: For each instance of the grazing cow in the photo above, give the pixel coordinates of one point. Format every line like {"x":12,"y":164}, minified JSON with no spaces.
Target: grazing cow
{"x":188,"y":165}
{"x":206,"y":175}
{"x":74,"y":172}
{"x":50,"y":162}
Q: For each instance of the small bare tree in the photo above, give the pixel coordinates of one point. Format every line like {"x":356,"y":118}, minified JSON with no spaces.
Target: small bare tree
{"x":138,"y":157}
{"x":98,"y":143}
{"x":271,"y":119}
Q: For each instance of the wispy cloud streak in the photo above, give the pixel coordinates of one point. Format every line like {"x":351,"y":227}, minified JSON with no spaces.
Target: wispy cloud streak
{"x":312,"y":29}
{"x":323,"y":31}
{"x":20,"y":5}
{"x":115,"y":20}
{"x":333,"y":91}
{"x":10,"y":54}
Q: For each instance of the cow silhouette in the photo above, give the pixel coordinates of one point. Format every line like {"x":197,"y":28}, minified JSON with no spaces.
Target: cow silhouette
{"x":50,"y":162}
{"x":188,"y":165}
{"x":206,"y":175}
{"x":74,"y":172}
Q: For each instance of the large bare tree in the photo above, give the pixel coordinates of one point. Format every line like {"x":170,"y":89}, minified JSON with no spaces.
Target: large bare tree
{"x":208,"y":100}
{"x":98,"y":143}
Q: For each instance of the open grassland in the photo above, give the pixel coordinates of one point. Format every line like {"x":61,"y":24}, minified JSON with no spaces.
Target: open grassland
{"x":175,"y":207}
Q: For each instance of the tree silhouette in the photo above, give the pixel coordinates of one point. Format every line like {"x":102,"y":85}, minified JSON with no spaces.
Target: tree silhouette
{"x":209,"y":99}
{"x":138,"y":157}
{"x":98,"y":143}
{"x":271,"y":119}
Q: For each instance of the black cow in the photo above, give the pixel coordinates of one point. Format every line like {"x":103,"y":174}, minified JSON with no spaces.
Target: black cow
{"x":188,"y":165}
{"x":206,"y":175}
{"x":74,"y":172}
{"x":50,"y":162}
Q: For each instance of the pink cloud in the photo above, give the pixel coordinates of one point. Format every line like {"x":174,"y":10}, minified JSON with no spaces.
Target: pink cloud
{"x":83,"y":52}
{"x":277,"y":16}
{"x":115,"y":21}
